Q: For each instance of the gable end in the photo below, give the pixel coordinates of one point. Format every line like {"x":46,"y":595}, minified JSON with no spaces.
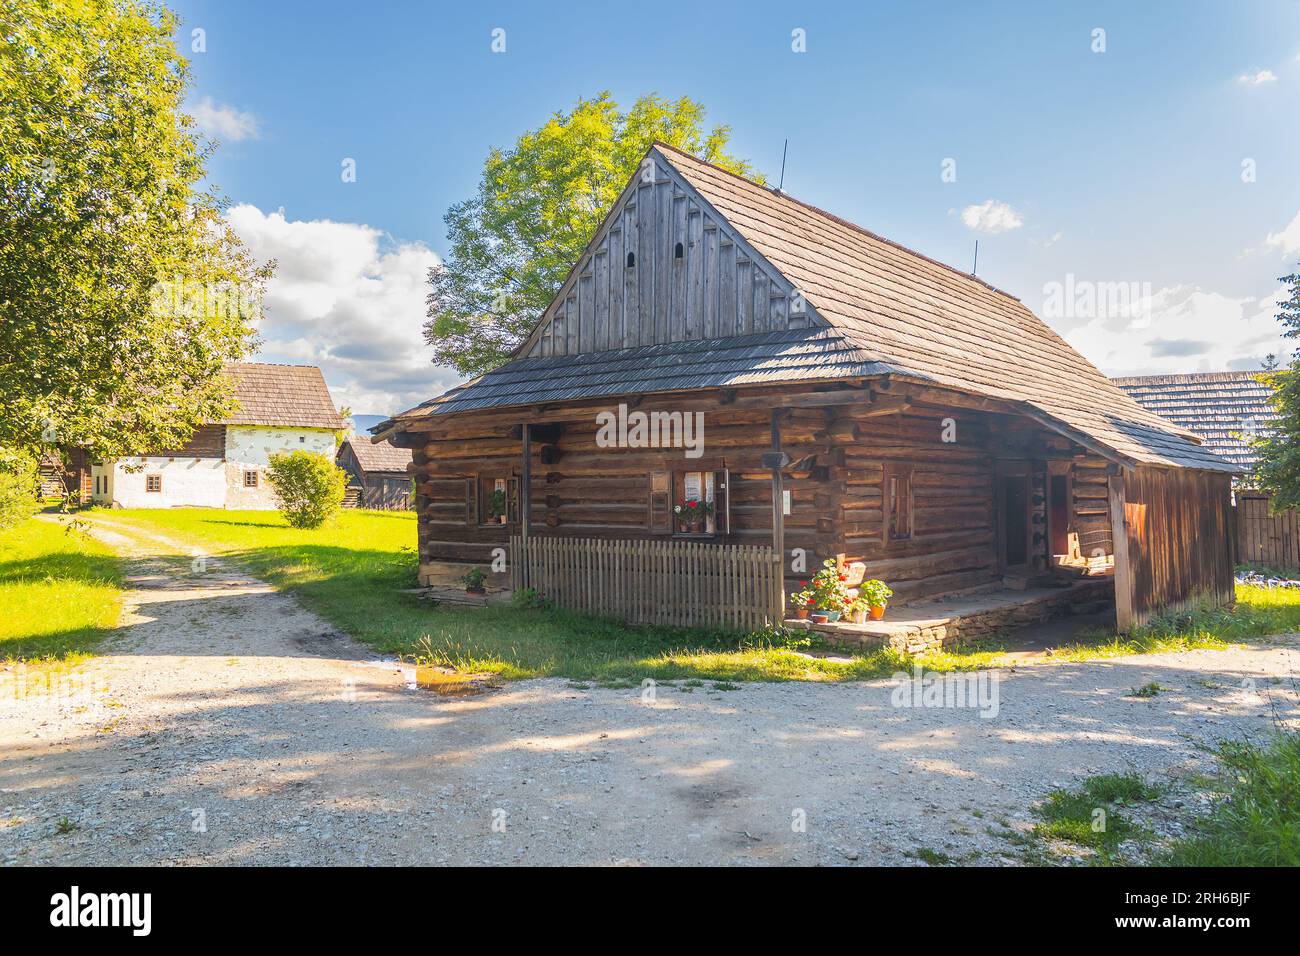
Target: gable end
{"x":665,"y":266}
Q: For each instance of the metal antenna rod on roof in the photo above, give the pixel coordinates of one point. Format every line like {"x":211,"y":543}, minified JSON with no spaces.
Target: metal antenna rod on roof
{"x":975,"y":265}
{"x":783,"y":152}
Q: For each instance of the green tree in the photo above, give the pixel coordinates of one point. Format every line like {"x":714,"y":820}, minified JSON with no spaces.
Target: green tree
{"x":538,"y":205}
{"x":310,"y":486}
{"x":122,"y":291}
{"x":1278,"y":471}
{"x":18,"y":486}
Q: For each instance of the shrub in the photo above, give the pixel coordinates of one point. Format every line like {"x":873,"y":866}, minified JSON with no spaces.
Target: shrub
{"x":530,"y":599}
{"x":18,"y":486}
{"x":310,"y":487}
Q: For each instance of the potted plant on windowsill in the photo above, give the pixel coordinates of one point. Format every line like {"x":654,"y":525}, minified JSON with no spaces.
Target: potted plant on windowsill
{"x":473,"y":580}
{"x":693,"y":515}
{"x":497,"y":506}
{"x":876,"y":595}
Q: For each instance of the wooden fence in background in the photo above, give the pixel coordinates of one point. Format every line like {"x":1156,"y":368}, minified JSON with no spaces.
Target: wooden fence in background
{"x":1266,"y":540}
{"x":677,"y":583}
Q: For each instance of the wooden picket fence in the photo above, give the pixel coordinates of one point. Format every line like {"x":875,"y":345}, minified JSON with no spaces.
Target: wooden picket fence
{"x":678,"y":583}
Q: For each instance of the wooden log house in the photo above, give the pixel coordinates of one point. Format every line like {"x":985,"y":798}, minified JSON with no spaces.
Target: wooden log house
{"x":857,"y":399}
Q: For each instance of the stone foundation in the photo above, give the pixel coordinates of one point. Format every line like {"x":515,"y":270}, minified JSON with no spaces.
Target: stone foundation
{"x":932,"y":625}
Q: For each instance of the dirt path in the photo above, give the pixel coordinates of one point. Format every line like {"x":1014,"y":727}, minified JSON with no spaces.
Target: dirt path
{"x":225,"y":724}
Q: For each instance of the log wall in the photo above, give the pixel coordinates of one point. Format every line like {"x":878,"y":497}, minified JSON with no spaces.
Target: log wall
{"x":839,"y":459}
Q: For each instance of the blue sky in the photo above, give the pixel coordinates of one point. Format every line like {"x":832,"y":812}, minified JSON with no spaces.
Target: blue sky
{"x":1072,"y":166}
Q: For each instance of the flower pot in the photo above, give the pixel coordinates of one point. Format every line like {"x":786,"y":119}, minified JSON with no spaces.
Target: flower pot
{"x":502,"y":519}
{"x":819,"y":618}
{"x":832,"y":615}
{"x":877,"y":613}
{"x":695,"y":527}
{"x":859,"y":615}
{"x":801,"y":613}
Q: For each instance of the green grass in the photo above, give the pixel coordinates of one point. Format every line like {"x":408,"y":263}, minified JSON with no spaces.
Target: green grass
{"x":1088,"y":815}
{"x":1147,"y":690}
{"x":1257,"y":822}
{"x":60,"y":593}
{"x":933,"y":857}
{"x":1258,"y":613}
{"x":352,"y":573}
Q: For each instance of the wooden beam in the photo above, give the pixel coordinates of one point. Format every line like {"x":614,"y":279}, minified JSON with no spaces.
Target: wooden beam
{"x":526,"y":497}
{"x":778,"y":494}
{"x":1125,"y":613}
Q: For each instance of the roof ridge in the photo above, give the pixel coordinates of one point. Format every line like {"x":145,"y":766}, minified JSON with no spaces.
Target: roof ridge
{"x":273,"y":365}
{"x":1179,"y":377}
{"x":782,"y":194}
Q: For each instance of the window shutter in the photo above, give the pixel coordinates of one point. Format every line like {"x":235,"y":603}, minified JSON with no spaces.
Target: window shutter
{"x":661,"y":503}
{"x":512,"y":500}
{"x":722,"y":501}
{"x":471,"y":501}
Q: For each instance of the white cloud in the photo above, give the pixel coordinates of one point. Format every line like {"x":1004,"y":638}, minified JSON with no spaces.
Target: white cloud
{"x":1257,"y":79}
{"x":224,"y":122}
{"x":1184,"y":329}
{"x":1288,"y":240}
{"x":991,"y":217}
{"x":347,"y":301}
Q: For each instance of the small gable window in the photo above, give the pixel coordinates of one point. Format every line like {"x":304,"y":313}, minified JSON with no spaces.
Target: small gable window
{"x":678,"y":251}
{"x":631,"y":260}
{"x":250,"y":479}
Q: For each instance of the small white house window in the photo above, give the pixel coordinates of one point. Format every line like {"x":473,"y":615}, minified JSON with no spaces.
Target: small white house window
{"x":153,"y":483}
{"x":250,"y":479}
{"x":302,"y":439}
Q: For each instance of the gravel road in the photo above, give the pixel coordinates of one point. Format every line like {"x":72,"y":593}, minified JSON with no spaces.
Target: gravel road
{"x":224,"y":724}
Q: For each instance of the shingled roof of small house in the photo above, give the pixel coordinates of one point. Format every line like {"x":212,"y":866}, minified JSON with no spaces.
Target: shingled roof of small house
{"x":291,"y":395}
{"x":378,"y":456}
{"x":882,"y":310}
{"x":1225,"y":409}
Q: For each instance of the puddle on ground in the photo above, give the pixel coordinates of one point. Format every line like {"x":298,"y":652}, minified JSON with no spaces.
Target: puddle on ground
{"x":450,"y":683}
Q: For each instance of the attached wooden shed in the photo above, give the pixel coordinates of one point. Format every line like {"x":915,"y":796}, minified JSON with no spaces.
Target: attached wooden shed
{"x":1228,"y":411}
{"x":856,"y":400}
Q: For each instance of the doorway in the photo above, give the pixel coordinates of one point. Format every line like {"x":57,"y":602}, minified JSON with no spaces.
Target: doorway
{"x":1013,"y":526}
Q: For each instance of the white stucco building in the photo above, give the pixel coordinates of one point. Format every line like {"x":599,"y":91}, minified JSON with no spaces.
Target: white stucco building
{"x":281,"y":408}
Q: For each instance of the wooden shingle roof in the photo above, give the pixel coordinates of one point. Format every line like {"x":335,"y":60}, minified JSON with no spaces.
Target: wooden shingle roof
{"x":292,"y":395}
{"x":1224,"y":408}
{"x":891,"y":311}
{"x":378,"y":457}
{"x":795,"y":354}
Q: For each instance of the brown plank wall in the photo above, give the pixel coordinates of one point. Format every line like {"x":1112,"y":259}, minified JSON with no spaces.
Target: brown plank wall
{"x":1176,"y":548}
{"x":717,"y":287}
{"x":1265,"y":539}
